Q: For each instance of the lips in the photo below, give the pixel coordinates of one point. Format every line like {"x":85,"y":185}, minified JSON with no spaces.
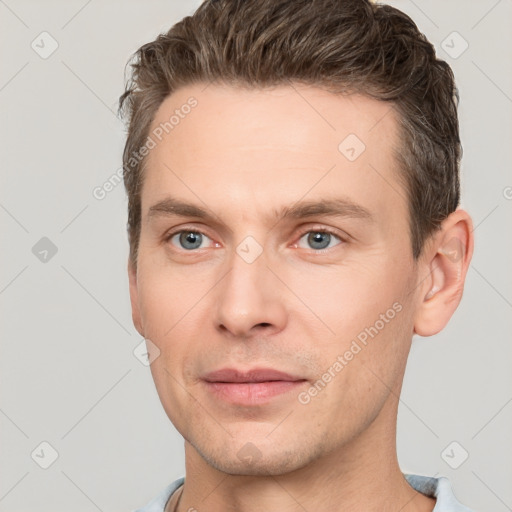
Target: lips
{"x":253,"y":387}
{"x":254,"y":375}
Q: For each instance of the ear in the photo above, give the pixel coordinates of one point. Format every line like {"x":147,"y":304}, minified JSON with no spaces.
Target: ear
{"x":446,"y":262}
{"x":134,"y":297}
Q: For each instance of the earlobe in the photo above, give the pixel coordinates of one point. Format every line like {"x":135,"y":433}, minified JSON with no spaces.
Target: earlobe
{"x":134,"y":298}
{"x":446,"y":264}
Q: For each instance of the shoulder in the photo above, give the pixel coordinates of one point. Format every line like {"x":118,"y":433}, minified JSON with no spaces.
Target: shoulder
{"x":439,"y":488}
{"x":157,"y":504}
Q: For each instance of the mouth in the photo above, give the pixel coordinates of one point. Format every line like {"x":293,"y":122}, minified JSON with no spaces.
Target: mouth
{"x":253,"y":387}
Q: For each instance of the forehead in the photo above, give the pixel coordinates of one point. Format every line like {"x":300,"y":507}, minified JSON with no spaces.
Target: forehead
{"x":272,"y":145}
{"x":279,"y":117}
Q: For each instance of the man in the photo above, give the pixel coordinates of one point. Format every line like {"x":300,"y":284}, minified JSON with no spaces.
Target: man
{"x":292,"y":176}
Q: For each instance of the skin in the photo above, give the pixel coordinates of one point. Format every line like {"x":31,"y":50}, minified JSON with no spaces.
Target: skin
{"x":242,"y":155}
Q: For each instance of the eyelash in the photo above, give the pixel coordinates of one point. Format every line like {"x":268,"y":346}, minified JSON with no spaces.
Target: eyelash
{"x":302,"y":233}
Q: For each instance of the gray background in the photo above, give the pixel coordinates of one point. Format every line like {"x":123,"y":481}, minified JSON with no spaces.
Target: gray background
{"x":68,"y":373}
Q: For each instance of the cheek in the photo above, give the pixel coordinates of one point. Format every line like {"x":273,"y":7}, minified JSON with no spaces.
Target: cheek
{"x":347,"y":298}
{"x":173,"y":307}
{"x":359,"y":374}
{"x":166,"y":298}
{"x":368,"y":314}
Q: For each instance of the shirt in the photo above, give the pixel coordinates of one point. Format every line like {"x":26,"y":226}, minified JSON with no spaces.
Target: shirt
{"x":439,"y":488}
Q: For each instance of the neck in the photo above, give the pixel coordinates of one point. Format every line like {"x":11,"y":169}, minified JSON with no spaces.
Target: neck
{"x":362,"y":474}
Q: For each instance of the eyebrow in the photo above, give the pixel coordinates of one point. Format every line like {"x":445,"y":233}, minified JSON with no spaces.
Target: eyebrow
{"x":330,"y":207}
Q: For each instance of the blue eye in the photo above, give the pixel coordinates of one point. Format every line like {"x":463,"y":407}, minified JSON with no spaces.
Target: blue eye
{"x":320,"y":239}
{"x":317,"y":240}
{"x":189,"y":240}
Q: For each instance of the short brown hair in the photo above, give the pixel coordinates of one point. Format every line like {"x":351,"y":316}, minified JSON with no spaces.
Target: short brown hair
{"x":343,"y":46}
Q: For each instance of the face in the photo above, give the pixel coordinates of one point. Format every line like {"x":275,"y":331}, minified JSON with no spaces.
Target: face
{"x":293,"y":256}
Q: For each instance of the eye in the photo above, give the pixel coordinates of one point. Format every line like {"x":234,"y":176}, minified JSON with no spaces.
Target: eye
{"x":188,"y":239}
{"x":319,"y":239}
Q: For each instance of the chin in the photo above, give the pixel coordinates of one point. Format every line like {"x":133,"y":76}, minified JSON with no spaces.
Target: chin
{"x":268,"y":467}
{"x":250,"y":460}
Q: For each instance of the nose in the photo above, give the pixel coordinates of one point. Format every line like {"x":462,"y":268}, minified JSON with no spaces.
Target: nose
{"x":250,"y":298}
